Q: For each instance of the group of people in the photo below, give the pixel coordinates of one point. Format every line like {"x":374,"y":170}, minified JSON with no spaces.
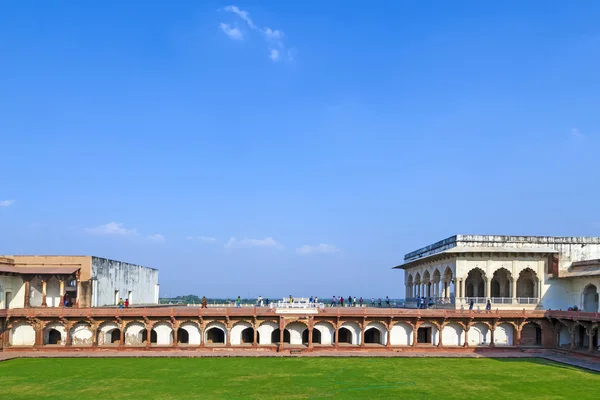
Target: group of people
{"x":123,"y":303}
{"x":352,"y":302}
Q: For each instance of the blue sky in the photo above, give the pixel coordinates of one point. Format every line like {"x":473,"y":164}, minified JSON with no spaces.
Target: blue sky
{"x":275,"y":148}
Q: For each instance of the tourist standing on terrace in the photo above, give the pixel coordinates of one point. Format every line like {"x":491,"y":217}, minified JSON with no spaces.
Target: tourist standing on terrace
{"x":372,"y":301}
{"x":238,"y":302}
{"x":291,"y":299}
{"x":204,"y":302}
{"x":379,"y":302}
{"x":126,"y":303}
{"x":259,"y":301}
{"x":361,"y":302}
{"x":387,"y":301}
{"x":349,"y":301}
{"x":334,"y":301}
{"x":121,"y":302}
{"x":341,"y":301}
{"x":488,"y":306}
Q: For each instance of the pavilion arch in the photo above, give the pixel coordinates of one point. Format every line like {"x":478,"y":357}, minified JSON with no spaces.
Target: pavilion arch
{"x":427,"y":333}
{"x":504,"y":334}
{"x":265,"y":331}
{"x":564,"y":336}
{"x":296,"y":329}
{"x":192,"y":330}
{"x":590,"y":298}
{"x":108,"y":333}
{"x":22,"y":334}
{"x":327,"y":332}
{"x":215,"y":333}
{"x":349,"y":333}
{"x":479,"y":335}
{"x":527,"y":284}
{"x":276,"y":336}
{"x":447,"y":280}
{"x":501,"y":283}
{"x":135,"y":333}
{"x":239,"y":333}
{"x":437,"y":276}
{"x":418,"y":285}
{"x":427,"y":283}
{"x":164,"y":333}
{"x":453,"y":334}
{"x":35,"y":295}
{"x":81,"y":334}
{"x":475,"y":283}
{"x":55,"y":333}
{"x":401,"y":334}
{"x":410,"y":283}
{"x":375,"y":333}
{"x":531,"y":334}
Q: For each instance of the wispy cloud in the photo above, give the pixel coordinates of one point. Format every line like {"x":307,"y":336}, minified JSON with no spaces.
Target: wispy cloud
{"x":112,"y":228}
{"x":242,"y":14}
{"x":6,"y":203}
{"x":273,"y":37}
{"x":205,"y":239}
{"x":577,"y":134}
{"x":274,"y":55}
{"x":233,"y":32}
{"x":245,"y":243}
{"x":157,"y":237}
{"x":317,"y":249}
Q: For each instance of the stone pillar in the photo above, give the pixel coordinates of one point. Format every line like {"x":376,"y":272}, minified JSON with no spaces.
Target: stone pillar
{"x":39,"y":334}
{"x":466,"y":336}
{"x":175,"y":336}
{"x":310,"y":338}
{"x":488,"y":288}
{"x":440,"y":340}
{"x":362,"y":334}
{"x":517,"y":338}
{"x":514,"y":290}
{"x":255,"y":337}
{"x":415,"y":331}
{"x":202,"y":333}
{"x":539,"y":290}
{"x":388,"y":342}
{"x":572,"y":336}
{"x":68,"y":335}
{"x":44,"y":304}
{"x":61,"y":289}
{"x":122,"y":336}
{"x":78,"y":298}
{"x":94,"y":327}
{"x":281,"y":333}
{"x":26,"y":302}
{"x":492,"y":330}
{"x":228,"y":343}
{"x":462,"y":288}
{"x":148,"y":334}
{"x":591,"y":339}
{"x":336,"y":342}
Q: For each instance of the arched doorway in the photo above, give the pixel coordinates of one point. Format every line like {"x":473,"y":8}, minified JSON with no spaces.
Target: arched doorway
{"x":115,"y":336}
{"x":248,"y":336}
{"x":344,"y":336}
{"x":418,"y":291}
{"x":316,"y":336}
{"x":54,"y":336}
{"x":215,"y":336}
{"x":590,"y":298}
{"x":153,"y":336}
{"x":475,"y":283}
{"x":372,"y":335}
{"x":501,"y":283}
{"x":275,"y":336}
{"x":527,"y":284}
{"x":183,"y":336}
{"x":531,"y":335}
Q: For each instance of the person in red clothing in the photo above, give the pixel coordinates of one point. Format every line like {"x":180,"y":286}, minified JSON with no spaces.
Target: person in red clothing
{"x":126,"y":303}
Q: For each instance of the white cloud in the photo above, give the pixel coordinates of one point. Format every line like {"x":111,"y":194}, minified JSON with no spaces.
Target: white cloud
{"x":157,"y":237}
{"x":205,"y":239}
{"x":271,"y":34}
{"x":6,"y":203}
{"x":320,"y":248}
{"x":232,"y":32}
{"x":576,"y":133}
{"x":242,"y":14}
{"x":112,"y":228}
{"x":244,"y":243}
{"x":273,"y":37}
{"x":274,"y":55}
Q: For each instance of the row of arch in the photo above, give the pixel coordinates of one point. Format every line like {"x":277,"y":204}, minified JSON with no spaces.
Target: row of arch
{"x":268,"y":333}
{"x":501,"y":284}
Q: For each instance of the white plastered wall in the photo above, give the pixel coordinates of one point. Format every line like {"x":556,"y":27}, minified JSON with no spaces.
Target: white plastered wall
{"x":193,"y":332}
{"x":22,"y":334}
{"x":401,"y":334}
{"x":163,"y":333}
{"x":327,"y":331}
{"x":265,"y":330}
{"x":236,"y":332}
{"x":14,"y":287}
{"x":296,"y":329}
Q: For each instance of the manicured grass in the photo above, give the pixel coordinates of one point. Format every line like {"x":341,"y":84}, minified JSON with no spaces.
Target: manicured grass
{"x":293,"y":378}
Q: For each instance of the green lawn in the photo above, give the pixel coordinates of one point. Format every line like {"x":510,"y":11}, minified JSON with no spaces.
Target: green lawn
{"x":293,"y":378}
